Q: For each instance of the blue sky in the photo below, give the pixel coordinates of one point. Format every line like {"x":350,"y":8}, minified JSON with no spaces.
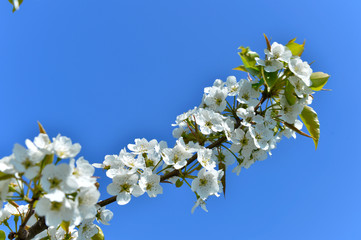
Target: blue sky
{"x":105,"y":74}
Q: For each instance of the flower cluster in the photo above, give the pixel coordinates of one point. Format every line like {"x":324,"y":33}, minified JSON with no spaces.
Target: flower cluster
{"x":240,"y":120}
{"x":64,"y":191}
{"x":237,"y":123}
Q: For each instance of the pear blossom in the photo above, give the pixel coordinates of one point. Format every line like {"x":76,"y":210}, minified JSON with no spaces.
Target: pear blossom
{"x":270,"y":65}
{"x":104,"y":215}
{"x":289,"y":113}
{"x":87,"y":229}
{"x":216,"y":99}
{"x":110,"y":161}
{"x":58,"y":177}
{"x":25,"y":160}
{"x":206,"y":158}
{"x":301,"y":69}
{"x":83,"y":172}
{"x":64,"y":148}
{"x":149,"y":183}
{"x":43,"y":143}
{"x":123,"y":186}
{"x":206,"y":183}
{"x":247,"y":95}
{"x":233,"y":86}
{"x":261,"y":135}
{"x":55,"y":211}
{"x":142,"y":145}
{"x":209,"y":121}
{"x":87,"y":199}
{"x":249,"y":116}
{"x":300,"y":87}
{"x":279,"y":52}
{"x":178,"y":155}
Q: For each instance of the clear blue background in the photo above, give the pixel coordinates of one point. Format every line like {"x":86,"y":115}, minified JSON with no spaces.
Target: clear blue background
{"x":106,"y":72}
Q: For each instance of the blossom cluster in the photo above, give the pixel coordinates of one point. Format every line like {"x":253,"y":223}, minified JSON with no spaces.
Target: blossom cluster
{"x":237,"y":123}
{"x":64,"y":191}
{"x":251,"y":127}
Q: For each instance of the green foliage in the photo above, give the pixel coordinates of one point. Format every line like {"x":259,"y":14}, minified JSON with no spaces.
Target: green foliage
{"x":296,"y":48}
{"x":290,"y":93}
{"x":99,"y":235}
{"x":310,"y":119}
{"x":4,"y":176}
{"x":270,"y":78}
{"x":249,"y":62}
{"x":178,"y":183}
{"x":318,"y":79}
{"x":2,"y":235}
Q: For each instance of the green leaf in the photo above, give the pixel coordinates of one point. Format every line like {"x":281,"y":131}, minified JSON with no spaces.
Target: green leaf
{"x":65,"y":225}
{"x":48,"y":159}
{"x":290,"y":93}
{"x":240,"y":68}
{"x":248,"y":57}
{"x":4,"y":176}
{"x":310,"y":119}
{"x":2,"y":235}
{"x":318,"y":79}
{"x":178,"y":183}
{"x":296,"y":48}
{"x":249,"y":62}
{"x":271,"y":78}
{"x":99,"y":235}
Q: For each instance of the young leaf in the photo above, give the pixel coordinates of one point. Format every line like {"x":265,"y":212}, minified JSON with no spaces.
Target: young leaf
{"x":318,"y":79}
{"x":267,"y":41}
{"x":310,"y":119}
{"x":296,"y":49}
{"x":241,"y":68}
{"x":290,"y":93}
{"x":271,"y":78}
{"x":99,"y":235}
{"x":178,"y":183}
{"x":41,"y":128}
{"x":2,"y":235}
{"x":4,"y":176}
{"x":248,"y":59}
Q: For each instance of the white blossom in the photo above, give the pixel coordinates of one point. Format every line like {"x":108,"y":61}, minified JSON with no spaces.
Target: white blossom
{"x":301,"y":69}
{"x":55,"y":211}
{"x":216,"y":99}
{"x":270,"y":65}
{"x":64,"y":148}
{"x":206,"y":158}
{"x":209,"y":121}
{"x":87,"y":230}
{"x":233,"y":86}
{"x":149,"y":183}
{"x":247,"y":95}
{"x":58,"y":177}
{"x":206,"y":183}
{"x":123,"y":186}
{"x":279,"y":52}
